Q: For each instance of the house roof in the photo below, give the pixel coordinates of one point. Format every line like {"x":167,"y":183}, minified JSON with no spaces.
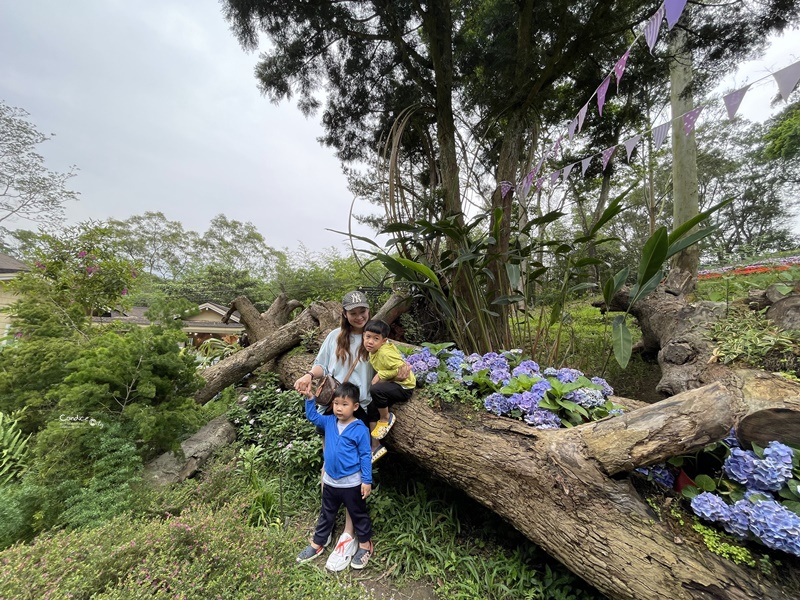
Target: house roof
{"x":219,"y":308}
{"x":9,"y":264}
{"x":136,"y":316}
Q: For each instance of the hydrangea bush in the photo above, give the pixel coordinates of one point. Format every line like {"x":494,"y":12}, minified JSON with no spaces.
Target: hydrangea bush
{"x":757,"y":496}
{"x":513,"y":386}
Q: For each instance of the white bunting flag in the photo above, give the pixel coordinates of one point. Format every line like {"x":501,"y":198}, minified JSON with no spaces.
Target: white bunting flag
{"x":571,"y":127}
{"x":607,"y":154}
{"x":652,"y":27}
{"x":660,"y":134}
{"x":585,"y":165}
{"x":690,"y":119}
{"x":568,"y":170}
{"x":582,"y":116}
{"x":787,"y":78}
{"x":673,"y":8}
{"x":733,"y":100}
{"x":631,"y":143}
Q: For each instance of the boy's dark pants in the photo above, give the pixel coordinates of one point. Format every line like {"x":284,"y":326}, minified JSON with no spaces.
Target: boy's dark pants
{"x":332,"y":499}
{"x":384,"y":395}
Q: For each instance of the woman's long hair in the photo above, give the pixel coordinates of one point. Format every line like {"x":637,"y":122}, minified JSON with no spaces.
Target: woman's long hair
{"x":343,"y":343}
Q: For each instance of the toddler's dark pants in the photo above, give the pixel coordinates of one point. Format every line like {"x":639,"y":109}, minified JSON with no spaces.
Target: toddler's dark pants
{"x":332,"y":499}
{"x":384,"y":395}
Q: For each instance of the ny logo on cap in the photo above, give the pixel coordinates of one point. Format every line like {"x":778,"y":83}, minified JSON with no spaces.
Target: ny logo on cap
{"x":356,"y":297}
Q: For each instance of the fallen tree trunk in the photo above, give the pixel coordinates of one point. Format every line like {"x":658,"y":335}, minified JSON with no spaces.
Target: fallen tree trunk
{"x":677,"y":330}
{"x":559,"y":487}
{"x":275,"y":343}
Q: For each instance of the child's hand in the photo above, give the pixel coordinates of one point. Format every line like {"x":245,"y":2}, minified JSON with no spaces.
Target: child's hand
{"x":366,"y":490}
{"x":376,"y":379}
{"x":403,"y":371}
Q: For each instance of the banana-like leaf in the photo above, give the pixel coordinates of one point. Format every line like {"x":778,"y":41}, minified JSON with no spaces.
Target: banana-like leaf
{"x":621,"y":338}
{"x":423,"y":270}
{"x":681,"y":230}
{"x":690,"y":239}
{"x":654,"y":254}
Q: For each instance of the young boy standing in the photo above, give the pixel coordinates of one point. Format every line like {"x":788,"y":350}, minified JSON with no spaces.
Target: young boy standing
{"x":386,"y":389}
{"x":347,"y":474}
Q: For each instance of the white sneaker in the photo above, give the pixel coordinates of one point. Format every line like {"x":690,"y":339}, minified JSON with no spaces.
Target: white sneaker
{"x":339,"y":559}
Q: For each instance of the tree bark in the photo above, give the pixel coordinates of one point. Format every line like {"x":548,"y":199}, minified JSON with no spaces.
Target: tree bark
{"x":260,"y":325}
{"x":564,"y":491}
{"x":684,"y":147}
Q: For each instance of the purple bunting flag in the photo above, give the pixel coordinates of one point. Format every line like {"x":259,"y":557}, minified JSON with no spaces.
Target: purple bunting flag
{"x":556,"y":146}
{"x":690,"y":118}
{"x":571,"y":128}
{"x":607,"y":154}
{"x":733,"y":100}
{"x":585,"y":165}
{"x":673,"y":8}
{"x":555,"y":176}
{"x":539,"y":183}
{"x":535,"y":172}
{"x":582,"y":115}
{"x":652,"y":27}
{"x":631,"y":143}
{"x":505,"y":187}
{"x":787,"y":78}
{"x":601,"y":94}
{"x":568,"y":170}
{"x":619,"y":68}
{"x":660,"y":134}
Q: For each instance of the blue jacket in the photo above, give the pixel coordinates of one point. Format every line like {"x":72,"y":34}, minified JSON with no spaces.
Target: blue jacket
{"x":346,"y":453}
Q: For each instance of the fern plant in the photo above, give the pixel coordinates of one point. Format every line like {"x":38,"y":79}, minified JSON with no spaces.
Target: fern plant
{"x":13,"y":447}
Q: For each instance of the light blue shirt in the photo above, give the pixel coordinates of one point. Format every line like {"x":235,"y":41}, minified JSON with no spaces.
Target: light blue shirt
{"x":361,"y":376}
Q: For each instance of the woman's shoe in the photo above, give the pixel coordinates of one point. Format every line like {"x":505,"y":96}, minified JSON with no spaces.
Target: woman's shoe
{"x":383,"y":427}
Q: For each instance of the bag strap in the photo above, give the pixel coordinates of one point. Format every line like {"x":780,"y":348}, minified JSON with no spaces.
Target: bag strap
{"x":350,"y":372}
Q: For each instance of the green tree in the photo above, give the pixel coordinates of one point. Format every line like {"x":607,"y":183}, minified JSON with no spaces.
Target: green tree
{"x":783,"y":137}
{"x":28,"y":189}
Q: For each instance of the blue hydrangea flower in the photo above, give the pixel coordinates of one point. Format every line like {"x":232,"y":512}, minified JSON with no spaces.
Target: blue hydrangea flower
{"x":567,"y":375}
{"x":607,"y":389}
{"x":732,"y":441}
{"x":710,"y":507}
{"x":658,"y":473}
{"x":526,"y":367}
{"x":776,"y":526}
{"x":541,"y":418}
{"x":539,"y":389}
{"x":497,"y":403}
{"x":739,"y":465}
{"x":550,"y":372}
{"x":738,"y":523}
{"x":586,"y":397}
{"x":432,"y":377}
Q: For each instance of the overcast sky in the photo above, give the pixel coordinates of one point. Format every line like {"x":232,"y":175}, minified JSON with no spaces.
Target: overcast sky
{"x":157,"y":105}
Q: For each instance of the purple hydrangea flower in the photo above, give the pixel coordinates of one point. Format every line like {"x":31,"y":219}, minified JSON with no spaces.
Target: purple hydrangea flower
{"x":526,"y":367}
{"x":776,"y":526}
{"x":767,"y":474}
{"x":432,"y":377}
{"x":586,"y":397}
{"x":607,"y":389}
{"x":541,"y":418}
{"x":550,"y":372}
{"x":567,"y":375}
{"x":710,"y":507}
{"x":739,"y":465}
{"x":732,"y":441}
{"x":738,"y":523}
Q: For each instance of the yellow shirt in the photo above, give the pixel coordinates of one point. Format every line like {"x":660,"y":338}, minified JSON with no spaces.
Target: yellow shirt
{"x":386,"y":361}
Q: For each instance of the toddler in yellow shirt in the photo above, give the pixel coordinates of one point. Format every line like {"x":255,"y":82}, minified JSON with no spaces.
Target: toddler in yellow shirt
{"x":386,"y":359}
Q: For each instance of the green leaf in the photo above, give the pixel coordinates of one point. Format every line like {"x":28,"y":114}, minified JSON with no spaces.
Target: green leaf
{"x":622,"y":342}
{"x":690,"y":239}
{"x":792,"y":506}
{"x":654,"y":254}
{"x":513,"y":273}
{"x":690,"y":492}
{"x":640,"y":292}
{"x":705,"y":483}
{"x":759,"y":451}
{"x":684,"y":228}
{"x":555,"y":312}
{"x":423,"y":270}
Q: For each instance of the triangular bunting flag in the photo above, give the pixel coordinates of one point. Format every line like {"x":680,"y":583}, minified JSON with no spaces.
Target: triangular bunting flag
{"x":631,"y":143}
{"x":571,"y":128}
{"x":582,"y":115}
{"x":733,"y":100}
{"x":619,"y":68}
{"x":607,"y":154}
{"x":535,"y":172}
{"x":652,"y":27}
{"x":787,"y":78}
{"x":585,"y":165}
{"x":601,"y":94}
{"x":690,"y":118}
{"x":505,"y":187}
{"x":673,"y":8}
{"x":660,"y":134}
{"x":568,"y":170}
{"x":556,"y":146}
{"x":554,"y":176}
{"x":539,"y":183}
